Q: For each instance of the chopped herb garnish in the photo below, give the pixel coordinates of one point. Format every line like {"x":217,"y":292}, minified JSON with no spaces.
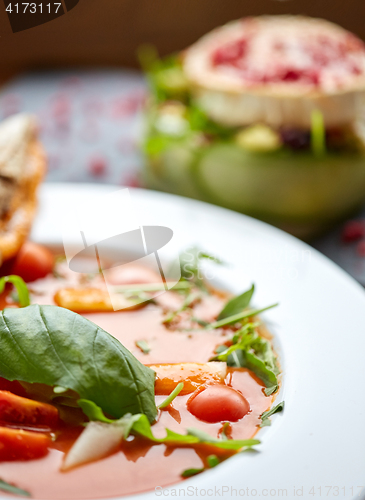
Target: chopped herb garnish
{"x":236,"y":304}
{"x":9,"y":488}
{"x":143,"y":346}
{"x":21,"y":288}
{"x":212,"y":461}
{"x":265,"y":420}
{"x":200,"y":322}
{"x":189,"y":300}
{"x":225,"y":429}
{"x":192,"y":472}
{"x":172,"y":396}
{"x":149,"y":287}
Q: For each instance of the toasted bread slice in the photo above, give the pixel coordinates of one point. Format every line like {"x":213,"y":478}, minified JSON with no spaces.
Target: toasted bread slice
{"x":22,"y":168}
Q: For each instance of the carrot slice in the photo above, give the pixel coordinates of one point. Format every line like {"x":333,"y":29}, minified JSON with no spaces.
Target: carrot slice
{"x":193,"y":375}
{"x":17,"y":444}
{"x":19,"y":410}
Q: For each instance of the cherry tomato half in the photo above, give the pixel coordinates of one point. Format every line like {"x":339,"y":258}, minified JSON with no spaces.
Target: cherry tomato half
{"x":33,"y":262}
{"x":218,"y":403}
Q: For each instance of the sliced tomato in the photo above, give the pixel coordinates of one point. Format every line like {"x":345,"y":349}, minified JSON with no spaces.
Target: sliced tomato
{"x":14,"y":387}
{"x":33,"y":262}
{"x":17,"y":444}
{"x":218,"y":403}
{"x":19,"y":410}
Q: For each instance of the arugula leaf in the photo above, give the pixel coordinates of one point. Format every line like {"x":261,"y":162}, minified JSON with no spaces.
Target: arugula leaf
{"x":9,"y":488}
{"x":57,"y":347}
{"x":237,"y":304}
{"x":139,"y":424}
{"x":239,"y":317}
{"x":172,"y":396}
{"x":265,"y":420}
{"x":93,"y":412}
{"x":225,"y":444}
{"x":255,"y":364}
{"x":253,"y":352}
{"x":21,"y":288}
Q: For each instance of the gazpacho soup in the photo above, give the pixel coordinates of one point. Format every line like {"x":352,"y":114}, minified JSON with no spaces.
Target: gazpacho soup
{"x":99,"y":403}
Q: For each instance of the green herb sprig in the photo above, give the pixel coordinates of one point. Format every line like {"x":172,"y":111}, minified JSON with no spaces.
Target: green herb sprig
{"x":265,"y":420}
{"x":21,"y":288}
{"x":9,"y":488}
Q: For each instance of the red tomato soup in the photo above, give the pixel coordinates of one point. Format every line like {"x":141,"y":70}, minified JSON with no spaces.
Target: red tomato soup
{"x":160,"y":333}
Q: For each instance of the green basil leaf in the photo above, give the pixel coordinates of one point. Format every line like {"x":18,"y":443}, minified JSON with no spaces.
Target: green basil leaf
{"x":237,"y":304}
{"x":21,"y":288}
{"x":265,"y":420}
{"x":57,"y":347}
{"x":9,"y":488}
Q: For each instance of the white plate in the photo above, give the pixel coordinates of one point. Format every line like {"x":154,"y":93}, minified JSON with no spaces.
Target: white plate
{"x":315,"y":449}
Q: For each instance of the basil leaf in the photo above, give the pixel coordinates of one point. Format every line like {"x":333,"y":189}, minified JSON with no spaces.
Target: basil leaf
{"x":21,"y":288}
{"x":265,"y":420}
{"x":9,"y":488}
{"x":237,"y":304}
{"x":57,"y":347}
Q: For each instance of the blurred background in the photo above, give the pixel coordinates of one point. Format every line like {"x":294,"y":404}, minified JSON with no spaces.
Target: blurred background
{"x":108,"y":32}
{"x":80,"y":75}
